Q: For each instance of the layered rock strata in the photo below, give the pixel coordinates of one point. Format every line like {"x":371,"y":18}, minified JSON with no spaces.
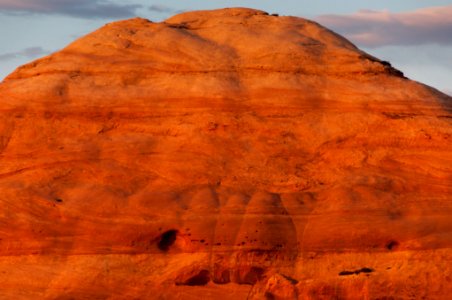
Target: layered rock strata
{"x":225,"y":154}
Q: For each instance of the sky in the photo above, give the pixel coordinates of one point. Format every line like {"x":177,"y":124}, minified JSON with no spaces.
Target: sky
{"x":414,"y":35}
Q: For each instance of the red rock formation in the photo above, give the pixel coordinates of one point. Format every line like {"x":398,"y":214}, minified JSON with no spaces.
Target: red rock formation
{"x":222,"y":154}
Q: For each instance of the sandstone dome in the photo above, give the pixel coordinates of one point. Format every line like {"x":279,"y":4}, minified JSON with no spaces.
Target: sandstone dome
{"x":226,"y":154}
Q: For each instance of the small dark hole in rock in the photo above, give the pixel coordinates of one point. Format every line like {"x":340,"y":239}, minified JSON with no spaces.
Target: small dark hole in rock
{"x":59,"y":200}
{"x":269,"y":296}
{"x":391,"y":245}
{"x":167,"y":239}
{"x":202,"y":278}
{"x":364,"y":270}
{"x":346,"y":273}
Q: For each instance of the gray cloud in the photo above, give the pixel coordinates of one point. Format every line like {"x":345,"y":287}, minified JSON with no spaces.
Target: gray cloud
{"x":88,"y":9}
{"x":159,"y":8}
{"x":31,"y":52}
{"x":432,"y":25}
{"x":8,"y":56}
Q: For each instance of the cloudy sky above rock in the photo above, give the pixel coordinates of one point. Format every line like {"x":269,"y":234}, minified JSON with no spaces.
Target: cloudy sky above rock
{"x":414,"y":35}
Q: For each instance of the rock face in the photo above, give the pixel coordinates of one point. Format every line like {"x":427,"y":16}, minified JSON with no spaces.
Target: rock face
{"x":223,"y":154}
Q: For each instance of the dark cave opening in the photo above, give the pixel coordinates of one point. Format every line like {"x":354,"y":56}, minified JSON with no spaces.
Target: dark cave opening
{"x":167,"y":239}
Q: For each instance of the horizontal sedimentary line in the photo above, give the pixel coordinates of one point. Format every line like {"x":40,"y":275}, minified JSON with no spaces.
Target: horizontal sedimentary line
{"x":146,"y":72}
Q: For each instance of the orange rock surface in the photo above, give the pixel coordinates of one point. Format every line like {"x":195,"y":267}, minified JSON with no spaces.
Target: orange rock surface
{"x":225,"y":154}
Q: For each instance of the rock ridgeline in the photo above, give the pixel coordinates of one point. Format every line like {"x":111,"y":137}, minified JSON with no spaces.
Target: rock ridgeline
{"x":226,"y":154}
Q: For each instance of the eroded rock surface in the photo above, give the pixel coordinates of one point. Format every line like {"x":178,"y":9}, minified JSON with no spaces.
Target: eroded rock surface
{"x":224,"y":154}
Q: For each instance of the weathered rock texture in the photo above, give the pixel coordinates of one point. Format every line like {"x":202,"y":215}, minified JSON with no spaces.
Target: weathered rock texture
{"x":223,"y":154}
